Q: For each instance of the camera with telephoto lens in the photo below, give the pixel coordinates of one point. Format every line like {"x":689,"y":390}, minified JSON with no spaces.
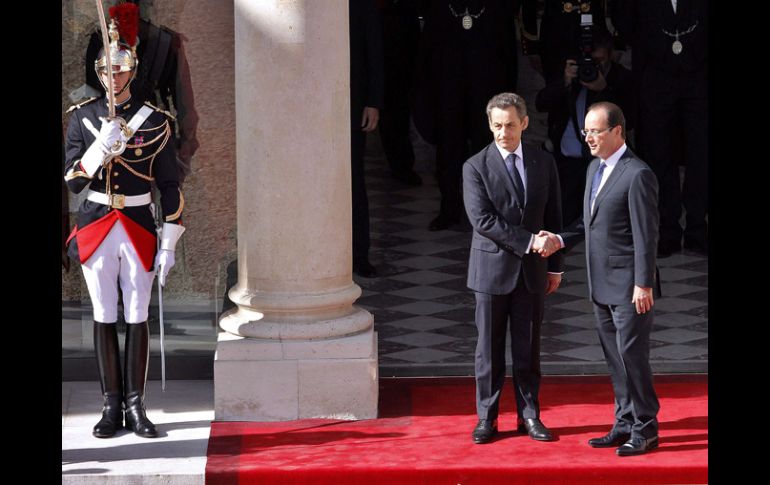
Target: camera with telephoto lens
{"x":587,"y":69}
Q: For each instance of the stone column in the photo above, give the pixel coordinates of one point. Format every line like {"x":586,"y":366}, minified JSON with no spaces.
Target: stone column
{"x":295,"y":346}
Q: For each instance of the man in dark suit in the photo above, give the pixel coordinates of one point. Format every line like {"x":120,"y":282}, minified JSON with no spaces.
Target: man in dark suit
{"x":400,"y":34}
{"x":511,"y":192}
{"x":467,"y":54}
{"x":670,"y":66}
{"x":366,"y":96}
{"x":620,"y":227}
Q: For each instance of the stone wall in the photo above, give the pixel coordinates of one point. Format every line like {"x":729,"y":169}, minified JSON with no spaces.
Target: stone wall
{"x":209,"y":244}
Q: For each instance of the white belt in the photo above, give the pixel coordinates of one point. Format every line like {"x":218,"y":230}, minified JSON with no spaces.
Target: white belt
{"x":119,"y":201}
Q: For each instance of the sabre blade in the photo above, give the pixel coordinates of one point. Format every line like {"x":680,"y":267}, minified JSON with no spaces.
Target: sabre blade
{"x":162,"y":350}
{"x":107,"y":59}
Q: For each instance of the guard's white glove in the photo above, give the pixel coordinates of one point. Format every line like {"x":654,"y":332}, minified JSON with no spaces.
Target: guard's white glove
{"x":164,"y":261}
{"x":109,"y":134}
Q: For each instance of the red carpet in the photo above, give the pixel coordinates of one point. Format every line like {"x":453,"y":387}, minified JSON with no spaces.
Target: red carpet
{"x":423,"y":437}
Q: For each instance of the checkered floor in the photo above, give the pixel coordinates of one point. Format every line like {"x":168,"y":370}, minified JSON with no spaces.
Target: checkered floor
{"x":424,"y":313}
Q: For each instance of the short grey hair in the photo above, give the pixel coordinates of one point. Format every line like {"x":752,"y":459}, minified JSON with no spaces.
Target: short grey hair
{"x":505,"y":101}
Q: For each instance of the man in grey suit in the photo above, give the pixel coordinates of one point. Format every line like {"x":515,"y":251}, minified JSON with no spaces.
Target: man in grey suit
{"x":620,"y":226}
{"x":511,"y":192}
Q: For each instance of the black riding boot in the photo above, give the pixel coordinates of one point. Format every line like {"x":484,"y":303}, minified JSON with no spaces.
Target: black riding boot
{"x":137,"y":358}
{"x":108,"y":362}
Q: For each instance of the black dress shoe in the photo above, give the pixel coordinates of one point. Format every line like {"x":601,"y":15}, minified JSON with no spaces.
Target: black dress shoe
{"x":484,"y":431}
{"x":637,"y":446}
{"x":409,"y":177}
{"x":613,"y":438}
{"x":364,"y":269}
{"x":535,"y":429}
{"x":443,"y":221}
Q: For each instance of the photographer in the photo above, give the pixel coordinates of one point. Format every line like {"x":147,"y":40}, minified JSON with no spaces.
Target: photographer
{"x":565,"y":98}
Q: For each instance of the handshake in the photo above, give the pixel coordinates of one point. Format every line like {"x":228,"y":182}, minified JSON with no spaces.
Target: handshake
{"x":546,"y":243}
{"x":113,"y":136}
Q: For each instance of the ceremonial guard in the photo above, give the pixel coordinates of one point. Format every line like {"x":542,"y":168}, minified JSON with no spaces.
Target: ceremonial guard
{"x":117,"y":146}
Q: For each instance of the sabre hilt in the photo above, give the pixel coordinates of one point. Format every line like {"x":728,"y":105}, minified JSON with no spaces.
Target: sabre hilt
{"x":119,"y":146}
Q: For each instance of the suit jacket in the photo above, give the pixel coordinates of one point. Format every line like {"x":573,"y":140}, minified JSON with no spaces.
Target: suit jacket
{"x":501,"y":229}
{"x":367,"y":78}
{"x":621,"y":234}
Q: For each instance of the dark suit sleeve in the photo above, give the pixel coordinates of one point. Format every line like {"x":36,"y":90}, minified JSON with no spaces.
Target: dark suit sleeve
{"x":167,"y":180}
{"x":552,"y":216}
{"x":486,"y":220}
{"x":574,"y":234}
{"x":374,"y":57}
{"x":643,"y":210}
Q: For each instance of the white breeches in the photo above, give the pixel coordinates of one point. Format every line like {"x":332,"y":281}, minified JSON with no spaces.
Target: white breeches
{"x":116,"y":262}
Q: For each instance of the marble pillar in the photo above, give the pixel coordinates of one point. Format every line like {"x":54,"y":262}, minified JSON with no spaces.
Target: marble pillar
{"x":295,"y":346}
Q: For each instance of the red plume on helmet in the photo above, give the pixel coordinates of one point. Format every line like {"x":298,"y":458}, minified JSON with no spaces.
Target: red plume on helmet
{"x":127,"y":17}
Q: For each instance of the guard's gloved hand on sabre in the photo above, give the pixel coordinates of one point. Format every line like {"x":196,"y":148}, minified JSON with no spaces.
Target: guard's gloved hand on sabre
{"x":109,"y":134}
{"x":165,"y":259}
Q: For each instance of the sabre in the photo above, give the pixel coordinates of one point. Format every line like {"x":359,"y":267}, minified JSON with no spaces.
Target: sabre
{"x":162,"y":352}
{"x":119,"y":145}
{"x":160,"y":318}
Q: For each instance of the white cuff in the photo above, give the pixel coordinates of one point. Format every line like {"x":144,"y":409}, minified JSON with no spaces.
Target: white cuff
{"x":169,"y":235}
{"x":93,"y":158}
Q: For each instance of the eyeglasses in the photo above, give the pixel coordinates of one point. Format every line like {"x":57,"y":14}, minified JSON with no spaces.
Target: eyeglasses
{"x":595,"y":132}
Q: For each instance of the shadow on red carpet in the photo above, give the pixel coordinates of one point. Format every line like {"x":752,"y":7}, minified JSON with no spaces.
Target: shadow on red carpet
{"x":423,"y":437}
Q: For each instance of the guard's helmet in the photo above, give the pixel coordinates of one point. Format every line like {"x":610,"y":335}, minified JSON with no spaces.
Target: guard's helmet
{"x":123,"y":30}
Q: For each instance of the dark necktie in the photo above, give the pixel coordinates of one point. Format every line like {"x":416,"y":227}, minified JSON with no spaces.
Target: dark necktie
{"x":595,"y":184}
{"x":518,"y":184}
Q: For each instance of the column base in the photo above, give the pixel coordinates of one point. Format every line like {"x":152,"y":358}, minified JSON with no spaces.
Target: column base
{"x":281,"y":380}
